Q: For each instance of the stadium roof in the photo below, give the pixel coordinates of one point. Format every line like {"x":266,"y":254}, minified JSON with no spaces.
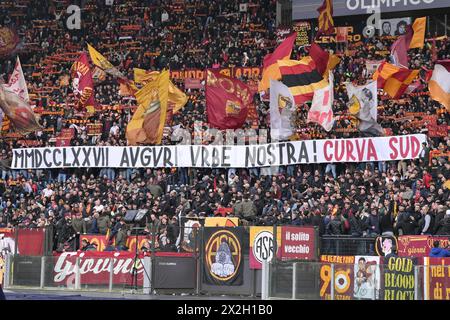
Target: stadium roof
{"x":307,"y":9}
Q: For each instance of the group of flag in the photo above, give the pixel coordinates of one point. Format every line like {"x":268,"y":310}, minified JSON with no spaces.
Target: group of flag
{"x":289,"y":83}
{"x":292,"y":83}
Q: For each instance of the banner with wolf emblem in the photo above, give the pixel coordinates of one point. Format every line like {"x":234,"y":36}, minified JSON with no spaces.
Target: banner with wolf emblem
{"x":223,"y":260}
{"x":282,"y":109}
{"x":83,"y":84}
{"x":363,"y":105}
{"x":227,"y":101}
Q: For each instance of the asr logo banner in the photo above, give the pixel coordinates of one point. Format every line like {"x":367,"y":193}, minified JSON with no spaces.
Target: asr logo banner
{"x":223,"y":255}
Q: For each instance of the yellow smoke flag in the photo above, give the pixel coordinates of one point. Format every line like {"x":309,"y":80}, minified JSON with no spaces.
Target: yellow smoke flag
{"x":147,"y":124}
{"x":177,"y":98}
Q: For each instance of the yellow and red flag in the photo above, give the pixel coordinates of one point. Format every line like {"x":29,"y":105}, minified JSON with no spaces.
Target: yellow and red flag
{"x":177,"y":98}
{"x":270,"y":66}
{"x":83,"y":84}
{"x":100,"y":61}
{"x":147,"y":124}
{"x":326,"y":22}
{"x":394,"y":80}
{"x":302,"y":78}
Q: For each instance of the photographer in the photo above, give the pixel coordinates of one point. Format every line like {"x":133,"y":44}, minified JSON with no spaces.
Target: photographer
{"x":64,"y":231}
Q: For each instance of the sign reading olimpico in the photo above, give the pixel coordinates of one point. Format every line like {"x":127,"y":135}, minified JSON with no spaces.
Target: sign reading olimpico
{"x":223,"y":156}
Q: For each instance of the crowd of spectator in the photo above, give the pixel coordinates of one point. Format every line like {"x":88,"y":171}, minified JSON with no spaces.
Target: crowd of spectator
{"x":365,"y":199}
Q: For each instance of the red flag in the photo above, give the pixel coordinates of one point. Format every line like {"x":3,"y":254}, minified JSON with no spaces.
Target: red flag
{"x":433,"y":50}
{"x":323,"y":60}
{"x":399,"y":52}
{"x":342,"y":34}
{"x":82,"y":84}
{"x":319,"y":56}
{"x":326,"y":23}
{"x":227,"y":101}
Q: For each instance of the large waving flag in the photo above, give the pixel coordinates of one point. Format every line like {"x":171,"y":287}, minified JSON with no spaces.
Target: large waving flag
{"x":177,"y":98}
{"x":324,"y":61}
{"x":100,"y":61}
{"x":394,"y":80}
{"x":321,"y":110}
{"x":227,"y":101}
{"x":270,"y":66}
{"x":282,"y":106}
{"x":326,"y":23}
{"x":399,"y":50}
{"x":17,"y":84}
{"x":413,"y":38}
{"x":147,"y":124}
{"x":83,"y":84}
{"x":302,"y":78}
{"x":439,"y":84}
{"x":363,"y":104}
{"x":18,"y":112}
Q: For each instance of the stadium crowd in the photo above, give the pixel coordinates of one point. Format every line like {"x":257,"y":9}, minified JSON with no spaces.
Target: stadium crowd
{"x":365,"y":199}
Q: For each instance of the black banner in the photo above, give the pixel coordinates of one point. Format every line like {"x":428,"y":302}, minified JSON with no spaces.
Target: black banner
{"x":175,"y":273}
{"x":399,"y":282}
{"x":223,"y":260}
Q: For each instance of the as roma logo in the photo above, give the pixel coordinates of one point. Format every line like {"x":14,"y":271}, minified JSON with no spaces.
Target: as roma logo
{"x":223,"y":255}
{"x":283,"y":103}
{"x":354,"y":105}
{"x":233,"y":108}
{"x":263,"y":246}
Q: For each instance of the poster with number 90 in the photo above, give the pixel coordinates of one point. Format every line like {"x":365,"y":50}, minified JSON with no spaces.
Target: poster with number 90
{"x":343,"y":277}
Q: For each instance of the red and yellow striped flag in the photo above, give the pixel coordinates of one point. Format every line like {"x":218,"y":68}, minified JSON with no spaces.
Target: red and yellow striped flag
{"x":270,"y":66}
{"x":302,"y":78}
{"x":326,"y":23}
{"x":394,"y":80}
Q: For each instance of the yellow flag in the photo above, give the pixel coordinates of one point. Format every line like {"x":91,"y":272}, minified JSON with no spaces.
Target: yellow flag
{"x":333,"y":61}
{"x":143,"y":76}
{"x":147,"y":124}
{"x":176,"y":97}
{"x":99,"y":60}
{"x":418,"y":37}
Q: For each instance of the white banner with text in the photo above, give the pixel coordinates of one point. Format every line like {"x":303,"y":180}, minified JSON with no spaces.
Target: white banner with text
{"x":223,"y":156}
